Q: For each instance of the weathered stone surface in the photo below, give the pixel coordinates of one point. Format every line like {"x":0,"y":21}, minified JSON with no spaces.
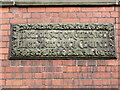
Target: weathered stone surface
{"x":62,"y":41}
{"x":57,"y":2}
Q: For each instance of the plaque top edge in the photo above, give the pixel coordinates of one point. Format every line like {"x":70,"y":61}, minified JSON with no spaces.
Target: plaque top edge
{"x":64,"y":26}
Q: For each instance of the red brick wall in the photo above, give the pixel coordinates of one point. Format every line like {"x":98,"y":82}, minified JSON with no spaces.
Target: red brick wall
{"x":58,"y":73}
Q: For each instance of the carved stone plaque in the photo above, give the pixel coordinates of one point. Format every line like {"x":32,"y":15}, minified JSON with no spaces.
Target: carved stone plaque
{"x":62,"y":41}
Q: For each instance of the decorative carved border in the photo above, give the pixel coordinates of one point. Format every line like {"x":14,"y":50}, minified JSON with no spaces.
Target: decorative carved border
{"x":16,"y":28}
{"x":64,"y":26}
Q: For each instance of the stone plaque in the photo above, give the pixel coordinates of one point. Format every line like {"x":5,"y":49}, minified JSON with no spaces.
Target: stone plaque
{"x":62,"y":41}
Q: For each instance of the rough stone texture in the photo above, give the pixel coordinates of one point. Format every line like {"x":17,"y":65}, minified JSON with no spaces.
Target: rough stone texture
{"x":63,"y":41}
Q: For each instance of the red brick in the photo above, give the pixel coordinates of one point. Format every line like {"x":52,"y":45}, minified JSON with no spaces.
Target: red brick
{"x":23,"y":87}
{"x":2,"y":82}
{"x":70,"y":20}
{"x":68,"y":82}
{"x":4,"y":9}
{"x":36,"y":15}
{"x":87,"y":75}
{"x":70,"y":63}
{"x":4,"y":39}
{"x":44,"y":15}
{"x":101,"y":62}
{"x":57,"y":63}
{"x":54,"y":9}
{"x":106,"y":8}
{"x":47,"y":82}
{"x":7,"y":44}
{"x":6,"y":27}
{"x":92,"y":69}
{"x":56,"y":75}
{"x":117,"y":20}
{"x":101,"y":68}
{"x":18,"y":15}
{"x":114,"y":75}
{"x":36,"y":9}
{"x":71,"y":69}
{"x":71,"y":75}
{"x":89,"y":14}
{"x":97,"y":75}
{"x":105,"y":75}
{"x":5,"y":63}
{"x":97,"y":82}
{"x":118,"y":27}
{"x":32,"y":69}
{"x":97,"y":14}
{"x":18,"y":21}
{"x":16,"y":9}
{"x":113,"y":62}
{"x":91,"y":63}
{"x":3,"y":44}
{"x":114,"y":68}
{"x":2,"y":75}
{"x":78,"y":82}
{"x":28,"y":82}
{"x":46,"y":75}
{"x":31,"y":63}
{"x":9,"y":76}
{"x":114,"y":82}
{"x":81,"y":15}
{"x":106,"y":81}
{"x":2,"y":57}
{"x":4,"y":33}
{"x":38,"y":82}
{"x":2,"y":69}
{"x":105,"y":14}
{"x":38,"y":20}
{"x":4,"y":21}
{"x":6,"y":56}
{"x":18,"y":75}
{"x":108,"y":69}
{"x":54,"y":20}
{"x":26,"y":15}
{"x":13,"y":69}
{"x":52,"y":69}
{"x":38,"y":75}
{"x":53,"y":15}
{"x":81,"y":62}
{"x":7,"y":15}
{"x":114,"y":14}
{"x":88,"y":20}
{"x":90,"y":9}
{"x":57,"y":82}
{"x":25,"y":63}
{"x":28,"y":75}
{"x":63,"y":15}
{"x":4,"y":50}
{"x":117,"y":8}
{"x":106,"y":20}
{"x":71,"y":9}
{"x":72,"y":15}
{"x":15,"y":62}
{"x":87,"y":82}
{"x":13,"y":82}
{"x":83,"y":69}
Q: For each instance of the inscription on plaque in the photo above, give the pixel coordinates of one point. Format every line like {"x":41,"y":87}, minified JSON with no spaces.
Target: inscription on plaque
{"x":59,"y":41}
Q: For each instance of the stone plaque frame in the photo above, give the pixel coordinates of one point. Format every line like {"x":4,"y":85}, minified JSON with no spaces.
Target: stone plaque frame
{"x":17,"y":53}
